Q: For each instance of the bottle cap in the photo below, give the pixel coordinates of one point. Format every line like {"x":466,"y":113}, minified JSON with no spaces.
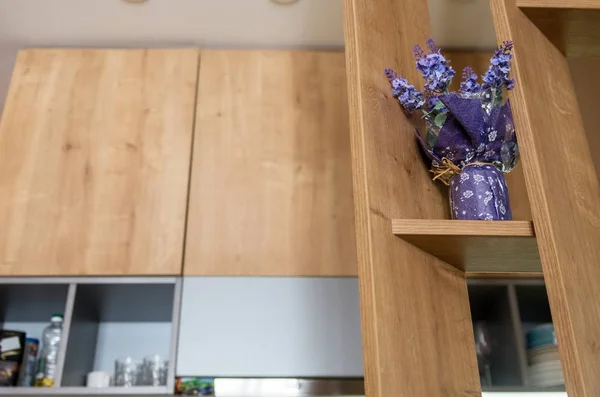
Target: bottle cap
{"x":56,"y":317}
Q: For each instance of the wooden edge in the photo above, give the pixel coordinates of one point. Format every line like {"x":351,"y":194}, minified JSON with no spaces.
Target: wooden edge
{"x":505,"y":275}
{"x":435,"y":227}
{"x":566,"y":4}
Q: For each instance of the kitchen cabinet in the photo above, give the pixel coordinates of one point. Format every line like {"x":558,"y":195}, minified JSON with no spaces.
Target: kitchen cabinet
{"x":269,"y":327}
{"x":271,"y":185}
{"x":94,"y":159}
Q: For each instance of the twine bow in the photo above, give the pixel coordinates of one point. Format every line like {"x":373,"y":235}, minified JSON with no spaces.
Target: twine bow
{"x":447,"y":170}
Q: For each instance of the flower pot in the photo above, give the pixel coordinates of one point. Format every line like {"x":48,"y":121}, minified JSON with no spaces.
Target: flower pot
{"x":479,"y":192}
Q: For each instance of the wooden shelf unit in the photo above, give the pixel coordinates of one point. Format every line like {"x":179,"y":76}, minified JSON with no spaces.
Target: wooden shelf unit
{"x":417,"y":336}
{"x":475,"y":246}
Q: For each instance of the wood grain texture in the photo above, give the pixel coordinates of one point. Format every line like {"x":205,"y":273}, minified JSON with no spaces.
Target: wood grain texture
{"x":435,"y":227}
{"x":575,"y":31}
{"x":515,"y":180}
{"x":474,"y":246}
{"x":271,"y":186}
{"x":586,"y":79}
{"x":584,"y":4}
{"x":416,"y":323}
{"x":564,"y":193}
{"x":94,"y":159}
{"x":505,"y":275}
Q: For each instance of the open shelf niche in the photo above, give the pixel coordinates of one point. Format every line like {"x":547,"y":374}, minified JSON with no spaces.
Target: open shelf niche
{"x":509,"y":308}
{"x":482,"y":247}
{"x":105,"y":318}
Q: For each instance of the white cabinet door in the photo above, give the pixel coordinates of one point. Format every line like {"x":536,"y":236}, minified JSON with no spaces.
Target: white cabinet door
{"x":270,"y":327}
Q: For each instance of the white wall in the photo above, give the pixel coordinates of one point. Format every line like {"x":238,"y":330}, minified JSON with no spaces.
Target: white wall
{"x":8,"y":54}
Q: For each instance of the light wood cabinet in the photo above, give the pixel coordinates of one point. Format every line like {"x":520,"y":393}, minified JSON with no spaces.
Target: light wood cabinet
{"x":271,"y":184}
{"x":94,"y":160}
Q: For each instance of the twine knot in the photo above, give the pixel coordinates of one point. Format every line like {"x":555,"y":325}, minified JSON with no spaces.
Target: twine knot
{"x":447,"y":170}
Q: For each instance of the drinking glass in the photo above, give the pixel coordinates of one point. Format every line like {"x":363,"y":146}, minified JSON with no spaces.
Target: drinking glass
{"x":154,"y":371}
{"x":126,"y":372}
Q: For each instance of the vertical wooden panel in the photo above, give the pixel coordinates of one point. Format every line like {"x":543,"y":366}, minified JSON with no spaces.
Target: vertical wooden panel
{"x":417,"y":331}
{"x":564,"y":192}
{"x":271,"y":185}
{"x":94,"y":159}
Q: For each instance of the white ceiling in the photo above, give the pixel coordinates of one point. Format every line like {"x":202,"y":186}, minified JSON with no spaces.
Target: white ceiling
{"x":215,"y":23}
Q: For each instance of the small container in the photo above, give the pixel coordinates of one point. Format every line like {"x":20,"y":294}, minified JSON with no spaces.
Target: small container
{"x":541,"y":335}
{"x":12,"y":349}
{"x":98,"y":379}
{"x":479,"y":192}
{"x":27,"y":372}
{"x":126,"y":372}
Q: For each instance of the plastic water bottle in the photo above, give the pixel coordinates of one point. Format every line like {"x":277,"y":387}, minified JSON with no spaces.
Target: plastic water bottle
{"x":46,"y":367}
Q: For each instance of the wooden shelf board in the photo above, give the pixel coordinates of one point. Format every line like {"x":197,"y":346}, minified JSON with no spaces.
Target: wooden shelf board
{"x":573,"y":4}
{"x":573,"y":26}
{"x":506,"y":275}
{"x":87,"y":391}
{"x":492,"y":247}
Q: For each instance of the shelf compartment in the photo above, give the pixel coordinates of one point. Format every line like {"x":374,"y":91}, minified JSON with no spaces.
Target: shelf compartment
{"x":27,"y":306}
{"x":572,"y":26}
{"x":475,"y":246}
{"x":490,"y":305}
{"x":113,"y":320}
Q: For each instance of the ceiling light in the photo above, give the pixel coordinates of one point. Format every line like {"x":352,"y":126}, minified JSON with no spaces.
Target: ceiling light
{"x":284,"y":2}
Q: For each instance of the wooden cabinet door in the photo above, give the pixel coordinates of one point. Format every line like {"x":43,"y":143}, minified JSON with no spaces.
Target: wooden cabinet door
{"x":94,"y":159}
{"x":271,"y":184}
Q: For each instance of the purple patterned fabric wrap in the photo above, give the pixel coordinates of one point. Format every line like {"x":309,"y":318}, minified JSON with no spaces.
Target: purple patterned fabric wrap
{"x":475,"y":131}
{"x":479,"y":192}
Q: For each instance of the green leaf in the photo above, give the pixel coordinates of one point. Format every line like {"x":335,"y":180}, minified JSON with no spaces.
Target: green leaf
{"x":438,"y":105}
{"x":440,"y":119}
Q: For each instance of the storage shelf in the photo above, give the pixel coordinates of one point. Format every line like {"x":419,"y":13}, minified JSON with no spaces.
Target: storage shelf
{"x":475,"y":246}
{"x":87,"y":391}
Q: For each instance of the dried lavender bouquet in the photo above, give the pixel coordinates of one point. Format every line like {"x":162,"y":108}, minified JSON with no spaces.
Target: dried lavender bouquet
{"x":470,"y":138}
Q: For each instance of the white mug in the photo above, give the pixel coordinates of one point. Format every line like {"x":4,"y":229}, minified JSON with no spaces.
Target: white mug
{"x":98,"y":379}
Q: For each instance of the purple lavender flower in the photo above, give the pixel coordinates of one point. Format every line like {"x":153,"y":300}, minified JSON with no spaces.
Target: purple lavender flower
{"x":469,"y":85}
{"x":418,"y":52}
{"x":408,"y":96}
{"x":496,"y":76}
{"x":434,"y":67}
{"x":431,"y":45}
{"x":433,"y":102}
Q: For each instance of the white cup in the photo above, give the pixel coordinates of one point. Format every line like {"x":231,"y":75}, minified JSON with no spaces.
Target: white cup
{"x":98,"y":379}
